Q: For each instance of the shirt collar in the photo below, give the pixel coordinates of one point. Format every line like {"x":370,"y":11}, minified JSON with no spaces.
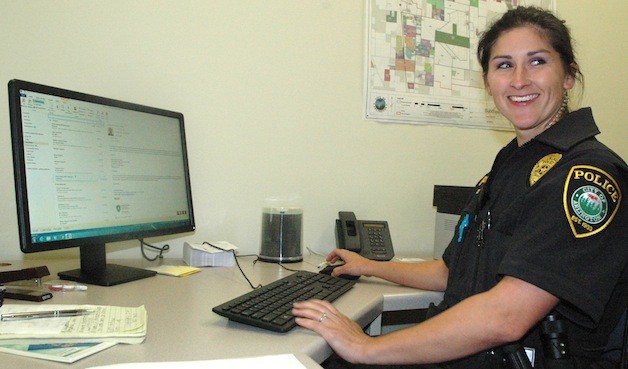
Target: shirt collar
{"x":574,"y":128}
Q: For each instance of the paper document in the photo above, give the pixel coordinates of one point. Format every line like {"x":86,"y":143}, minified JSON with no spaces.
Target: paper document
{"x":203,"y":255}
{"x":107,"y":323}
{"x":262,"y":362}
{"x":62,"y":352}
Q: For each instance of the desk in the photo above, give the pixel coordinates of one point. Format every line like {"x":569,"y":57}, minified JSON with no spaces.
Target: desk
{"x":182,"y":327}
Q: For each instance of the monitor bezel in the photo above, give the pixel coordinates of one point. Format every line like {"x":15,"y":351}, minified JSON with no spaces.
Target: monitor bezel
{"x":20,"y":179}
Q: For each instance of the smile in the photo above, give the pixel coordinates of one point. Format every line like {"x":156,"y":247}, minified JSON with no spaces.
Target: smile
{"x":523,"y":98}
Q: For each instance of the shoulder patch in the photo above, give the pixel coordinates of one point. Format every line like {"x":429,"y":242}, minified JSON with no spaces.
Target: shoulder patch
{"x":591,"y":199}
{"x":543,"y":166}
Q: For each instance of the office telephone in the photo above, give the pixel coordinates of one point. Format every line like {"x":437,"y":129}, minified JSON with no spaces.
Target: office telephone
{"x":369,"y":238}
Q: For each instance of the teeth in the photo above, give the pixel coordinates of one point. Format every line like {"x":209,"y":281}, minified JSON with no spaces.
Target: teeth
{"x":523,"y":98}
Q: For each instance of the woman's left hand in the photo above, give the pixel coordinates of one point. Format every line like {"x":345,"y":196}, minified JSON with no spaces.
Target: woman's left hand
{"x":344,"y":335}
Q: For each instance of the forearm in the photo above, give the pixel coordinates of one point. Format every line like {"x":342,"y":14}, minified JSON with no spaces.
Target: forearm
{"x":428,"y":275}
{"x":448,"y":336}
{"x":478,"y":323}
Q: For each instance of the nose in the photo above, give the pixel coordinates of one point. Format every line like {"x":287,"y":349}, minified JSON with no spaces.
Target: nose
{"x":520,"y":78}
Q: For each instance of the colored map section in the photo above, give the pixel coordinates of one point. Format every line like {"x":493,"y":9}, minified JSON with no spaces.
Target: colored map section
{"x":421,"y":65}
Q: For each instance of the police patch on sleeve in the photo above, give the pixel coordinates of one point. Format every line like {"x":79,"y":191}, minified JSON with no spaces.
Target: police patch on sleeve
{"x":591,"y":199}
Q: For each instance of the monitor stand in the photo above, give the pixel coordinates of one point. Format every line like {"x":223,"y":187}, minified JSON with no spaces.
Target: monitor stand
{"x":95,"y":270}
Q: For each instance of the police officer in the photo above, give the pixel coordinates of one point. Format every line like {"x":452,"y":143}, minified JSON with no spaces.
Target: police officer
{"x":544,"y":235}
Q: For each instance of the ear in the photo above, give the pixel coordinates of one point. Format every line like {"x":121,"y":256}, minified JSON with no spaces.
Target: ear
{"x":570,"y":80}
{"x":486,"y":86}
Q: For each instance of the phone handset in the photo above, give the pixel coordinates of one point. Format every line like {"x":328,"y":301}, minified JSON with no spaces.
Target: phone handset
{"x":349,"y":231}
{"x":369,"y":238}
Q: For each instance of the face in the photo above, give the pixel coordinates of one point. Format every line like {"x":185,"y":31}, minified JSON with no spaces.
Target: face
{"x":526,"y":80}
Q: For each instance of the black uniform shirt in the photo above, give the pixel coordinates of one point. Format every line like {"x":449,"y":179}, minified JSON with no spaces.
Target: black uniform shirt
{"x":552,"y":213}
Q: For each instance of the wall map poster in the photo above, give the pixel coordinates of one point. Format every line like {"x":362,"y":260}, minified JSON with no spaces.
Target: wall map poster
{"x":421,"y":66}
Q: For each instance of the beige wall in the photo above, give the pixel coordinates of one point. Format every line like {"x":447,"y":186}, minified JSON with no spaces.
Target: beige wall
{"x":272,"y":95}
{"x":599,"y":32}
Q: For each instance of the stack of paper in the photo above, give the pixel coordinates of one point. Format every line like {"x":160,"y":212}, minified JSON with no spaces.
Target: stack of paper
{"x":219,"y":253}
{"x":68,"y":339}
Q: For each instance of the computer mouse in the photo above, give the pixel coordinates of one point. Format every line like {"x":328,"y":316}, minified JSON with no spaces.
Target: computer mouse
{"x":328,"y":269}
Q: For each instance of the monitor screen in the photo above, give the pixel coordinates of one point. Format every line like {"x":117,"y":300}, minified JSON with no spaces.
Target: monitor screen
{"x":91,"y":170}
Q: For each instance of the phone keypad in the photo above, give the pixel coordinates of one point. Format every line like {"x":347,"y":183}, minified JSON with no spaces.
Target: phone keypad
{"x":376,"y":240}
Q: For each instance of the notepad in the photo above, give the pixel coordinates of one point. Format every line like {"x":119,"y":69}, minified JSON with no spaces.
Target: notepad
{"x":105,"y":324}
{"x":175,"y":270}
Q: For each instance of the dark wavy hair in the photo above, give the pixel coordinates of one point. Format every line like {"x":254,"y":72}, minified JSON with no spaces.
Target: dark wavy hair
{"x":548,"y":25}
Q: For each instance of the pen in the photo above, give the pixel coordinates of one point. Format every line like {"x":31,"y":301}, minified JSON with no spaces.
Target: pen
{"x":66,"y":287}
{"x":45,"y":314}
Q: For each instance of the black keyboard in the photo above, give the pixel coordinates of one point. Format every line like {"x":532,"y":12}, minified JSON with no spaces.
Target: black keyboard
{"x":269,"y":307}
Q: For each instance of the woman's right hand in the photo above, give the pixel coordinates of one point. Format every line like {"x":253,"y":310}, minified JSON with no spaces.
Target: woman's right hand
{"x":354,"y":263}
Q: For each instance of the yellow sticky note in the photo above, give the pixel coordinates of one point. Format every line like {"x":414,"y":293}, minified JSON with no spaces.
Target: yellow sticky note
{"x":176,"y":270}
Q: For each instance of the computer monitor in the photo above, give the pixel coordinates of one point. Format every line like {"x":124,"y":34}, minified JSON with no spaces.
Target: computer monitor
{"x":91,"y":170}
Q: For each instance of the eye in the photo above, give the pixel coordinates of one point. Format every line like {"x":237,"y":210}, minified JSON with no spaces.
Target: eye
{"x":503,"y":65}
{"x":537,"y":61}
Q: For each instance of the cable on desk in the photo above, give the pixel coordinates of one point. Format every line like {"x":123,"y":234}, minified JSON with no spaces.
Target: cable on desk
{"x":288,"y":269}
{"x":312,"y":252}
{"x":280,"y":264}
{"x":235,"y":257}
{"x":161,"y":250}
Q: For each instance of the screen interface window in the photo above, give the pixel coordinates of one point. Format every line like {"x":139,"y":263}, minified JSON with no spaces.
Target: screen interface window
{"x":95,"y":169}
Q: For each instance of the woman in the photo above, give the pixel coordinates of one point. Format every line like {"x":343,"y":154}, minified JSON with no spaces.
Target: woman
{"x":545,"y":234}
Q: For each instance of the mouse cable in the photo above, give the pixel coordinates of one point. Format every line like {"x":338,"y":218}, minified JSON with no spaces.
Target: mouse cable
{"x":161,"y":250}
{"x":235,"y":257}
{"x":280,"y":264}
{"x":288,"y":269}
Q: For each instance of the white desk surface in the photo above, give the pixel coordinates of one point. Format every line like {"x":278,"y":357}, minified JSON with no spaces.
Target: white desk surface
{"x":182,"y":327}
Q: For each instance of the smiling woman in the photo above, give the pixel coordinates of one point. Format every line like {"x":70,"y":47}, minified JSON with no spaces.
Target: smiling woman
{"x":541,"y":244}
{"x":529,"y":66}
{"x":527,"y":81}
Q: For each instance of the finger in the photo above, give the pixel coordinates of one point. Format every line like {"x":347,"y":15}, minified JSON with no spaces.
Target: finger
{"x":314,"y":310}
{"x":314,"y":320}
{"x":338,"y":271}
{"x":333,"y":256}
{"x":310,"y":314}
{"x":313,"y":325}
{"x":325,"y":306}
{"x":310,"y":304}
{"x":309,"y":310}
{"x":348,"y":268}
{"x":317,"y":323}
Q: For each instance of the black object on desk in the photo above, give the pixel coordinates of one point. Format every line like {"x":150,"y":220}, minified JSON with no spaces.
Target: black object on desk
{"x":330,"y":268}
{"x":269,"y":307}
{"x":24,"y":274}
{"x":24,"y":293}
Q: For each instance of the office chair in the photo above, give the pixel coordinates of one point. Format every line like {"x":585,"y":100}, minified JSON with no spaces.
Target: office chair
{"x":616,"y":350}
{"x":624,"y":352}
